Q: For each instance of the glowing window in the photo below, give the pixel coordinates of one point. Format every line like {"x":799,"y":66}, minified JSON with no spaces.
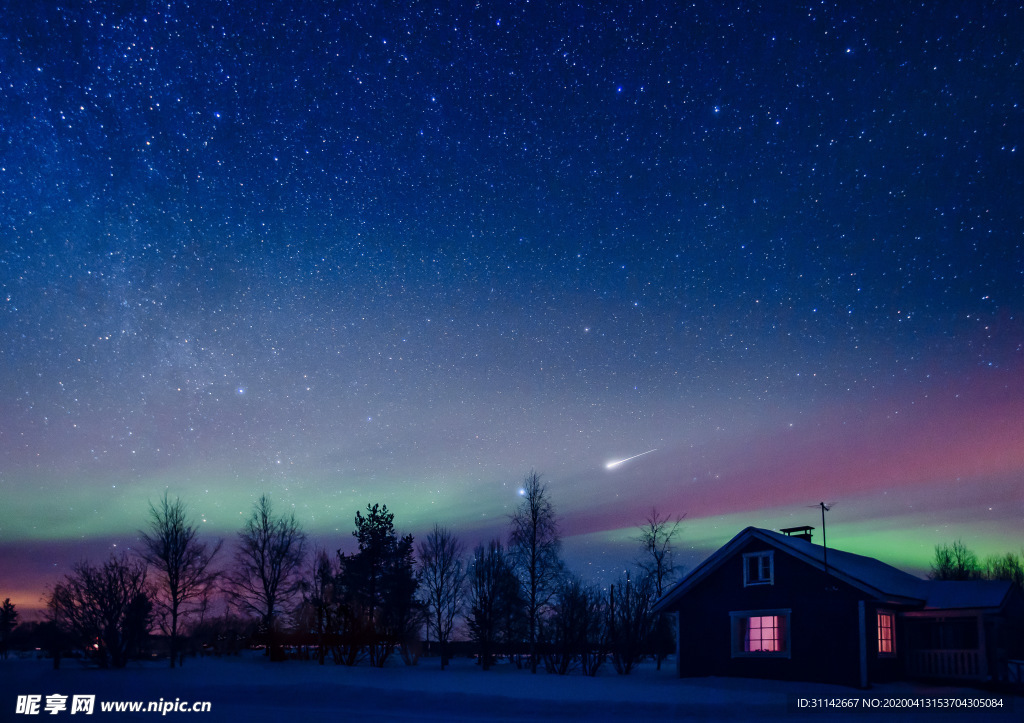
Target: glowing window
{"x":886,"y":637}
{"x":762,"y":634}
{"x":758,"y":569}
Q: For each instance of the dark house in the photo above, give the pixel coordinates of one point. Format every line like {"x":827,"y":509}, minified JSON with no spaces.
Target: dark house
{"x":768,"y":605}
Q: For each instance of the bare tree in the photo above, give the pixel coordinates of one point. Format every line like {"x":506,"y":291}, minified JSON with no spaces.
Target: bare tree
{"x":443,"y":579}
{"x":656,"y":536}
{"x":1008,"y":566}
{"x":629,"y":621}
{"x":267,"y":576}
{"x":534,"y":544}
{"x":105,"y":608}
{"x":577,"y":628}
{"x":495,"y":602}
{"x":318,"y":598}
{"x":172,"y":547}
{"x":656,"y":559}
{"x":955,"y":562}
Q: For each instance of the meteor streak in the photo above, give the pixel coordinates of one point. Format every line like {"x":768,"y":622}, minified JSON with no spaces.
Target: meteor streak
{"x":615,"y":463}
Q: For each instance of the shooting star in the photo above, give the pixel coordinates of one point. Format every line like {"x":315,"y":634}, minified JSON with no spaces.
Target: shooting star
{"x":615,"y":463}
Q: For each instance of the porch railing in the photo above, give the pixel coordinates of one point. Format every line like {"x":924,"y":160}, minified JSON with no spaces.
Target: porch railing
{"x":961,"y":664}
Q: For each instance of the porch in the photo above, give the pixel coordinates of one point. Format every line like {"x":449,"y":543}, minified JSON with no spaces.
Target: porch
{"x":966,"y":664}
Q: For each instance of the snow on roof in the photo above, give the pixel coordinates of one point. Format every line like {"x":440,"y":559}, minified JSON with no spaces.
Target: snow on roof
{"x":874,"y":577}
{"x":955,"y":594}
{"x":885,"y":579}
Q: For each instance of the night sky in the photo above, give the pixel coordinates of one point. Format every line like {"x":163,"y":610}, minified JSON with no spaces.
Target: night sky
{"x":344,"y":253}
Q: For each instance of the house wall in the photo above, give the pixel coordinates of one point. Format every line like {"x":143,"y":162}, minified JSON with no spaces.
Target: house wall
{"x":885,"y":668}
{"x":1011,"y":634}
{"x":824,"y":623}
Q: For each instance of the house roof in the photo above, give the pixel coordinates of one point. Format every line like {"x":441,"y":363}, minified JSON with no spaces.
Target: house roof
{"x":954,"y":594}
{"x":875,"y":578}
{"x":871,"y":575}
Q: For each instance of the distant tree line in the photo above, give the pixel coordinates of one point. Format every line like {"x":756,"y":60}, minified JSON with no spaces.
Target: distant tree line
{"x":511,"y":598}
{"x":954,"y":561}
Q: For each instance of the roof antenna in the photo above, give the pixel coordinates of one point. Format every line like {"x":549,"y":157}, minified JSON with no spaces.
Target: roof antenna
{"x":824,"y":541}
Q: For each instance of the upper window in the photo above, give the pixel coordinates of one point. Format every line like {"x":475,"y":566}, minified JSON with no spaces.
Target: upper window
{"x":760,"y":633}
{"x":886,"y":633}
{"x":758,"y":568}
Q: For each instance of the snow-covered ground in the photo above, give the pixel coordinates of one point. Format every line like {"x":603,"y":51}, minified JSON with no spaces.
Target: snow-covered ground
{"x":249,"y":688}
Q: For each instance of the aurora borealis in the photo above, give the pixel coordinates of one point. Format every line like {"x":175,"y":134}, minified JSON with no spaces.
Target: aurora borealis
{"x":344,"y":253}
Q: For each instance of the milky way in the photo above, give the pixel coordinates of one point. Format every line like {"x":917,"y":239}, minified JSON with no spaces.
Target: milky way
{"x":345,"y":253}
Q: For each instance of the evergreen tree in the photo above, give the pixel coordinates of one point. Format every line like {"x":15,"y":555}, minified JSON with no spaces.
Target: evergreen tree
{"x":379,"y":583}
{"x":8,"y":621}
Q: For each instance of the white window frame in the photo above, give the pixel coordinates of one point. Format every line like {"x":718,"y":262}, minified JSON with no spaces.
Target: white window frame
{"x":892,"y":633}
{"x":766,"y":554}
{"x":736,"y":619}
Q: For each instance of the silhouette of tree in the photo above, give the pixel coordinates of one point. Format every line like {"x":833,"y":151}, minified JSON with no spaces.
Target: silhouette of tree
{"x":495,"y":602}
{"x":1008,"y":566}
{"x":656,"y":559}
{"x":105,"y":608}
{"x":534,"y":544}
{"x":171,"y":546}
{"x":137,"y":620}
{"x":656,"y":544}
{"x":629,"y":621}
{"x":8,"y":621}
{"x":224,"y":635}
{"x":379,"y":583}
{"x":955,"y":562}
{"x":267,"y":575}
{"x":350,"y":631}
{"x":576,"y":628}
{"x":319,"y":602}
{"x":50,"y":636}
{"x":443,"y":577}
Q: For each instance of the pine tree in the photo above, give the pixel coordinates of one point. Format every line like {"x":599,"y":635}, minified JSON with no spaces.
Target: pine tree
{"x":8,"y":621}
{"x":379,"y":583}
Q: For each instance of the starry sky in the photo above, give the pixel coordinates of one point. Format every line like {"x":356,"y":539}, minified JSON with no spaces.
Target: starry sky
{"x":354,"y":252}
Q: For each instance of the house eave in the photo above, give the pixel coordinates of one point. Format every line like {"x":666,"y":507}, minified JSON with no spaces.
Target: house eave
{"x":939,"y":612}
